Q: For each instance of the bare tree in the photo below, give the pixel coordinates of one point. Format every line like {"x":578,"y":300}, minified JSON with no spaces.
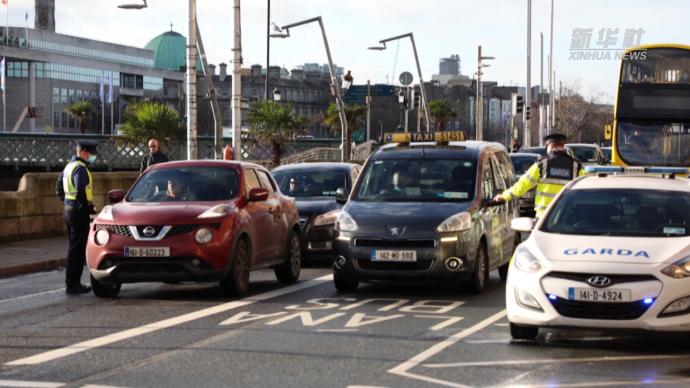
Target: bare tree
{"x":582,"y":119}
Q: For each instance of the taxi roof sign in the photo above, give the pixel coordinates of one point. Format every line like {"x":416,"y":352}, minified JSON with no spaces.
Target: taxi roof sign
{"x":416,"y":137}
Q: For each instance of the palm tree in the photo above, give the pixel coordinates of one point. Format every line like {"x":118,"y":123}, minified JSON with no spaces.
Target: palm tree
{"x":79,"y":110}
{"x":146,"y":119}
{"x":441,"y":111}
{"x":354,"y":114}
{"x":274,"y":125}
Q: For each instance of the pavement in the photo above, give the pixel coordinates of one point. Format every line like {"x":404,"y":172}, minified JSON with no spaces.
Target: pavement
{"x":29,"y":256}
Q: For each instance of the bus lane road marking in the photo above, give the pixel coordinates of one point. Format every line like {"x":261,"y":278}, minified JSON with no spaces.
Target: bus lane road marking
{"x":164,"y":324}
{"x":404,"y":368}
{"x":319,"y":312}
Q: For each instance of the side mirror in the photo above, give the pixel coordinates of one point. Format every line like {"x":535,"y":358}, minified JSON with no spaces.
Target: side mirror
{"x":341,"y":196}
{"x":115,"y":196}
{"x":258,"y":194}
{"x":522,"y":224}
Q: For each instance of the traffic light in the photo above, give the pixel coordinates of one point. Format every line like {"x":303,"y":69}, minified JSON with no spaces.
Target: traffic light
{"x":519,"y":104}
{"x":415,"y":99}
{"x":527,"y":113}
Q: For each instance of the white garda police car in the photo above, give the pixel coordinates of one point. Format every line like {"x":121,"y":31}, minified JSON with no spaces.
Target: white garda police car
{"x":611,"y":252}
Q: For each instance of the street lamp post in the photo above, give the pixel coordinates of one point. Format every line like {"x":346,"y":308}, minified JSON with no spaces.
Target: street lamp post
{"x":335,"y":83}
{"x":419,"y":70}
{"x":191,"y":83}
{"x":480,"y":98}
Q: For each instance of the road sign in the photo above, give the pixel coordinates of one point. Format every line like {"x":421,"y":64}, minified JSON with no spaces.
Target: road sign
{"x":406,"y":78}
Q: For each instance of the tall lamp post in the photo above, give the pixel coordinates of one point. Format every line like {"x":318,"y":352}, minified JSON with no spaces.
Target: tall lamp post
{"x":335,"y":83}
{"x":419,"y":70}
{"x":191,"y":76}
{"x":480,"y":98}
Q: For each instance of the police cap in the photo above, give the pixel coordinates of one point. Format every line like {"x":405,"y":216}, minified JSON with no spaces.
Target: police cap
{"x":88,"y":146}
{"x":555,"y":138}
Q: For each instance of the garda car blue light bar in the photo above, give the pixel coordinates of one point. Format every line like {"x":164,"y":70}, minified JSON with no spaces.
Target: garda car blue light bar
{"x":636,"y":170}
{"x":603,"y":169}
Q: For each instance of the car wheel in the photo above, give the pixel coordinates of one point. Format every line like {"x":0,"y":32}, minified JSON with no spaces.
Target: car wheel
{"x":345,"y":284}
{"x":480,"y":275}
{"x":503,"y":270}
{"x":523,"y":332}
{"x":289,"y":271}
{"x":236,"y":282}
{"x":103,"y":290}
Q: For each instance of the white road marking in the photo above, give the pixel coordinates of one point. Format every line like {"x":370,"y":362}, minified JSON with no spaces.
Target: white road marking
{"x":164,"y":324}
{"x":337,"y":331}
{"x":402,"y":369}
{"x":493,"y":341}
{"x":32,"y":295}
{"x":31,"y":384}
{"x":557,"y":361}
{"x":501,"y":324}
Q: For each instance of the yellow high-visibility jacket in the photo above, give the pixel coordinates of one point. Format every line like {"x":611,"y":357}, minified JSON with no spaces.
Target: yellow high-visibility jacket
{"x":550,"y":175}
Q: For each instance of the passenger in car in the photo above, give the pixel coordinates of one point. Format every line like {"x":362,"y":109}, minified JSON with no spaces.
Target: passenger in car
{"x":176,"y":191}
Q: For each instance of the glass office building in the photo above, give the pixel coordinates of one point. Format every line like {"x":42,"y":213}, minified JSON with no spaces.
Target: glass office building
{"x":47,"y":71}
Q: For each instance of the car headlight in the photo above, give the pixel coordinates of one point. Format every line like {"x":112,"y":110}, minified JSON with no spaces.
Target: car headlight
{"x":327,"y":218}
{"x":456,"y":223}
{"x":345,"y":223}
{"x":525,"y":261}
{"x":217,"y":211}
{"x":102,"y":237}
{"x":106,"y":213}
{"x":203,"y":235}
{"x":678,"y":270}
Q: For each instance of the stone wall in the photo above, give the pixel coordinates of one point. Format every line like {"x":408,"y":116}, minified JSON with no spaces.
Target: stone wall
{"x":34,"y":210}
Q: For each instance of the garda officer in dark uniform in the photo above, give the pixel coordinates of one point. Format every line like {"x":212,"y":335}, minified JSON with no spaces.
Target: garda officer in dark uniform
{"x":75,"y":188}
{"x":550,"y":174}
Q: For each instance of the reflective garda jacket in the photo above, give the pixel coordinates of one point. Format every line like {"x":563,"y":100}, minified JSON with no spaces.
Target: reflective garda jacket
{"x":550,"y":175}
{"x":68,"y":185}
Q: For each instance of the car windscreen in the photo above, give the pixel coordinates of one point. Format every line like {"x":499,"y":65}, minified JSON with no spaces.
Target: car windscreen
{"x":522,"y":163}
{"x":417,"y":180}
{"x":621,"y":212}
{"x":584,"y":154}
{"x":534,"y":150}
{"x":314,"y":183}
{"x":185,"y":184}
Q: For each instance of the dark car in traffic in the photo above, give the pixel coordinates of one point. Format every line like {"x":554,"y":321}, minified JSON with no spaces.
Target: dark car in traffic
{"x":522,"y":161}
{"x":314,"y":187}
{"x":205,"y":221}
{"x":587,"y":154}
{"x":419,"y":212}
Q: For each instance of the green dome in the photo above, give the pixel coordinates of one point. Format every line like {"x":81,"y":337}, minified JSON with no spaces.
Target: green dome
{"x":169,"y":50}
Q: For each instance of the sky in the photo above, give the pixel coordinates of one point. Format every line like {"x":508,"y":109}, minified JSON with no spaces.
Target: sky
{"x":441,"y":28}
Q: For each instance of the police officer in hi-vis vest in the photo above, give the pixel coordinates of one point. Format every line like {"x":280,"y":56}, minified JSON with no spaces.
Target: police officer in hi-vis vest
{"x":75,"y":188}
{"x":550,"y":174}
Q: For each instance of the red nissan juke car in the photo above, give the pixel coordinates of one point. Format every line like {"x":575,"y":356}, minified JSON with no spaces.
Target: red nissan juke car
{"x":195,"y":221}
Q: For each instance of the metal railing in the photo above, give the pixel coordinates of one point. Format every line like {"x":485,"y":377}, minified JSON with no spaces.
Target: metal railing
{"x":115,"y":153}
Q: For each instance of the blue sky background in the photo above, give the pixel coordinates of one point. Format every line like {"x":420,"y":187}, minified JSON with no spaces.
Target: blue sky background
{"x":441,"y":28}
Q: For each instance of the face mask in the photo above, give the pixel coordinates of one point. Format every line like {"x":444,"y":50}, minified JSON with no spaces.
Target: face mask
{"x":558,"y":152}
{"x":92,"y":158}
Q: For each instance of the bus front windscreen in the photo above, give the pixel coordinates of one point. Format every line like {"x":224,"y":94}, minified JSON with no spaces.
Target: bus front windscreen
{"x":654,"y":143}
{"x":653,"y":107}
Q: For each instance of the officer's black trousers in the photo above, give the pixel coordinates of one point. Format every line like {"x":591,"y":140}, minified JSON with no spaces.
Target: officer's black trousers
{"x":77,"y":221}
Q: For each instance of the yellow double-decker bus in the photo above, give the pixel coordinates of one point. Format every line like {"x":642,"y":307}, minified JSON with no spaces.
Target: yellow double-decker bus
{"x":652,"y":113}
